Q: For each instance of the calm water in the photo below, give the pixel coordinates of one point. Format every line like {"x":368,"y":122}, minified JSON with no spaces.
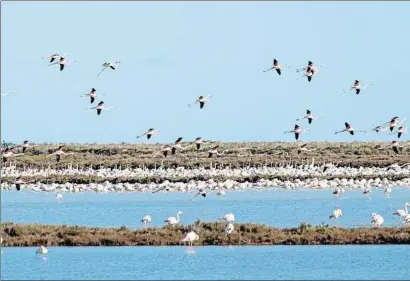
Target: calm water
{"x":217,"y":263}
{"x":279,"y":208}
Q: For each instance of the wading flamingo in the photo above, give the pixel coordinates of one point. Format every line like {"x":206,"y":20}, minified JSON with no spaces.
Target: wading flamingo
{"x":173,"y":220}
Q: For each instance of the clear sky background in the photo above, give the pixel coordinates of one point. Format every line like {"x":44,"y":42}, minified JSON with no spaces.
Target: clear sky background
{"x":172,"y":52}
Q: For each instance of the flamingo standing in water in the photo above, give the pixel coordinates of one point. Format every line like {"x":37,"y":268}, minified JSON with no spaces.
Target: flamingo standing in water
{"x":173,"y":220}
{"x":93,"y":95}
{"x":350,"y":129}
{"x":402,"y":213}
{"x":151,"y":132}
{"x":59,"y":151}
{"x":7,"y":153}
{"x":165,"y":149}
{"x":146,"y":219}
{"x":106,"y":65}
{"x":100,"y":107}
{"x":198,"y":141}
{"x":297,"y":131}
{"x":377,"y":220}
{"x":62,"y":62}
{"x":337,"y":213}
{"x":276,"y":66}
{"x":214,"y":150}
{"x":42,"y":250}
{"x":309,"y":116}
{"x":201,"y":100}
{"x":190,"y":238}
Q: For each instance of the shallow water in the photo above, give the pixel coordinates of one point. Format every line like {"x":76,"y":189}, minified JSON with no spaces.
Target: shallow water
{"x":217,"y":263}
{"x":280,"y":208}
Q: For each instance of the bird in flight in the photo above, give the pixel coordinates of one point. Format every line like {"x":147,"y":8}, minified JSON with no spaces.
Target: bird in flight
{"x":100,"y":107}
{"x":93,"y":95}
{"x":59,"y":151}
{"x":214,"y":150}
{"x":165,"y":149}
{"x":309,"y":116}
{"x":394,"y":122}
{"x":54,"y":57}
{"x":297,"y":131}
{"x":151,"y":132}
{"x":357,"y":87}
{"x":177,"y":145}
{"x":26,"y":145}
{"x":106,"y":65}
{"x":310,"y":71}
{"x":7,"y":153}
{"x":350,"y":129}
{"x":201,"y":192}
{"x":303,"y":148}
{"x":198,"y":141}
{"x":400,"y":130}
{"x":276,"y":66}
{"x":201,"y":100}
{"x":62,"y":62}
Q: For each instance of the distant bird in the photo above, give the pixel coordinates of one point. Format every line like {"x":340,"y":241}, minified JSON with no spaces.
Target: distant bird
{"x":394,"y":122}
{"x":106,"y":65}
{"x":18,"y":182}
{"x":151,"y":132}
{"x":379,"y":128}
{"x":303,"y":148}
{"x":221,"y":193}
{"x":93,"y":95}
{"x":54,"y":57}
{"x":198,"y":141}
{"x":201,"y":100}
{"x":165,"y":149}
{"x":276,"y":66}
{"x":402,"y":213}
{"x":387,"y":191}
{"x":350,"y":129}
{"x":59,"y":197}
{"x":26,"y":145}
{"x":229,"y":228}
{"x":146,"y":219}
{"x":396,"y":146}
{"x":100,"y":107}
{"x":228,"y":218}
{"x":201,"y":192}
{"x":190,"y":237}
{"x":309,"y":116}
{"x":63,"y":62}
{"x":338,"y":191}
{"x":377,"y":220}
{"x":173,"y":220}
{"x":7,"y":153}
{"x":337,"y":213}
{"x":297,"y":131}
{"x":367,"y":191}
{"x":59,"y":151}
{"x":400,"y":131}
{"x":214,"y":150}
{"x":42,"y":250}
{"x":177,"y":145}
{"x":310,"y":70}
{"x":357,"y":87}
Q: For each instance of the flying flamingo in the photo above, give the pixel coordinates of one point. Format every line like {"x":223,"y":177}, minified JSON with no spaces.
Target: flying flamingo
{"x":177,"y":145}
{"x":337,"y":213}
{"x":7,"y":153}
{"x":350,"y":129}
{"x":165,"y":149}
{"x":146,"y":219}
{"x":310,"y":70}
{"x":377,"y":220}
{"x":357,"y":87}
{"x":111,"y":65}
{"x":151,"y":132}
{"x":62,"y":62}
{"x":201,"y":100}
{"x":394,"y":122}
{"x":395,"y":146}
{"x":214,"y":150}
{"x":378,"y":128}
{"x":92,"y":94}
{"x":303,"y":148}
{"x":276,"y":66}
{"x":201,"y":192}
{"x":54,"y":57}
{"x":100,"y":107}
{"x":401,"y":212}
{"x":297,"y":131}
{"x":173,"y":220}
{"x":26,"y":145}
{"x":18,"y":182}
{"x":198,"y":141}
{"x":59,"y":151}
{"x":190,"y":237}
{"x":400,"y":130}
{"x":309,"y":116}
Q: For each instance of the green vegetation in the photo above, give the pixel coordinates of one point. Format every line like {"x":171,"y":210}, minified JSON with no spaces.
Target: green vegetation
{"x":210,"y":233}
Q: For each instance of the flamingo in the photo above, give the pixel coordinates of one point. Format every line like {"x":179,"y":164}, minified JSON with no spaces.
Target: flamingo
{"x":378,"y":128}
{"x":190,"y":237}
{"x":338,"y":191}
{"x":214,"y":150}
{"x":350,"y":129}
{"x":303,"y":148}
{"x":387,"y":191}
{"x":395,"y":146}
{"x":400,"y":130}
{"x":198,"y":141}
{"x":201,"y":100}
{"x":337,"y":213}
{"x":407,"y":219}
{"x":165,"y":149}
{"x":146,"y":219}
{"x":297,"y":131}
{"x":177,"y":145}
{"x":18,"y":182}
{"x":367,"y":191}
{"x":100,"y":107}
{"x":59,"y":197}
{"x":310,"y":70}
{"x":149,"y":133}
{"x":201,"y":192}
{"x":229,"y":228}
{"x":111,"y":65}
{"x":228,"y":218}
{"x":377,"y":220}
{"x":402,"y":213}
{"x":309,"y":116}
{"x":276,"y":66}
{"x":92,"y":94}
{"x":42,"y":250}
{"x":357,"y":87}
{"x":26,"y":145}
{"x":173,"y":220}
{"x":394,"y":122}
{"x":7,"y":153}
{"x":54,"y":57}
{"x":62,"y":62}
{"x":59,"y":151}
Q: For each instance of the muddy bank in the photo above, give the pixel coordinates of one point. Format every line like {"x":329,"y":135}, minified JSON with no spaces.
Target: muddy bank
{"x":209,"y":234}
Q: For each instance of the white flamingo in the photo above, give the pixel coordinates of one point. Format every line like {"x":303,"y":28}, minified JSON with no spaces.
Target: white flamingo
{"x":401,"y":212}
{"x":151,"y":132}
{"x":297,"y":131}
{"x":377,"y":220}
{"x":146,"y":219}
{"x":309,"y":116}
{"x":54,"y":57}
{"x":214,"y":150}
{"x":337,"y":213}
{"x":228,"y":218}
{"x":106,"y":65}
{"x":42,"y":250}
{"x":190,"y":237}
{"x":59,"y":151}
{"x":229,"y":228}
{"x":350,"y":129}
{"x":173,"y":220}
{"x":62,"y":62}
{"x":7,"y":153}
{"x":59,"y":197}
{"x":357,"y":87}
{"x":100,"y":107}
{"x":201,"y":100}
{"x":387,"y":191}
{"x":276,"y":66}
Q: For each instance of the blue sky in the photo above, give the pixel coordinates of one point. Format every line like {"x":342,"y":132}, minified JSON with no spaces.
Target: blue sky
{"x":173,"y":52}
